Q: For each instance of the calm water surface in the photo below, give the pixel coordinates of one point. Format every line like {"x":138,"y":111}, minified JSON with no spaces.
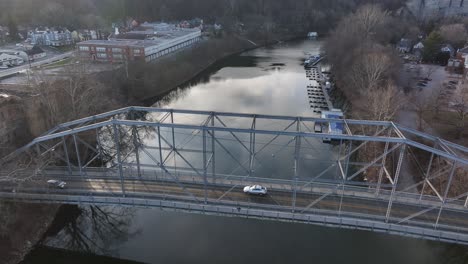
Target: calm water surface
{"x":267,"y":81}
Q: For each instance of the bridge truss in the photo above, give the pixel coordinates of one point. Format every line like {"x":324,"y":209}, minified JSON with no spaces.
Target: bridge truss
{"x":376,"y":175}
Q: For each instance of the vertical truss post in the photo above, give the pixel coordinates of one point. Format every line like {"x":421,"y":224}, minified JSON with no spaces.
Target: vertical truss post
{"x":213,"y":164}
{"x":38,"y":150}
{"x":77,"y":155}
{"x":98,"y":140}
{"x":65,"y":150}
{"x":348,"y":156}
{"x":384,"y":159}
{"x":395,"y":181}
{"x":447,"y":189}
{"x":136,"y":144}
{"x":119,"y":157}
{"x":205,"y":183}
{"x":173,"y":142}
{"x":428,"y":171}
{"x":338,"y":165}
{"x":161,"y":161}
{"x":345,"y":174}
{"x":252,"y":145}
{"x":297,"y":153}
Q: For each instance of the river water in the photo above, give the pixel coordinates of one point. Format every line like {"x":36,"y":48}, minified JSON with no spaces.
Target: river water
{"x":267,"y":81}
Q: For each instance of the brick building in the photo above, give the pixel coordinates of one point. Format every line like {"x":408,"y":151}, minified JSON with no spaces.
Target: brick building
{"x":138,"y":45}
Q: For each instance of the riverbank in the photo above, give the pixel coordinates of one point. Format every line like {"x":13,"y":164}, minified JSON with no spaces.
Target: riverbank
{"x":59,"y":256}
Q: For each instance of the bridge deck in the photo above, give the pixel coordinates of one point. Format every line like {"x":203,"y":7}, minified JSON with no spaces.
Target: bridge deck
{"x":224,"y":195}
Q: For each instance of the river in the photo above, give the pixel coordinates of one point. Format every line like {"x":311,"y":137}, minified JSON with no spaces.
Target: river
{"x":269,"y":81}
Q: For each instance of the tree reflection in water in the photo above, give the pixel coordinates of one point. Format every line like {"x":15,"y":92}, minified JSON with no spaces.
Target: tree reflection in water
{"x":94,"y":229}
{"x":130,"y":138}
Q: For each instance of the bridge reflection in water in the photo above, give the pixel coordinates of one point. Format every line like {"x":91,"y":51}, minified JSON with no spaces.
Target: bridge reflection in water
{"x":376,"y":176}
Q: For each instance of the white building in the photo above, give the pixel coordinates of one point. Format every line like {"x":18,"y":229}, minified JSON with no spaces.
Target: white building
{"x":7,"y":60}
{"x":51,"y":37}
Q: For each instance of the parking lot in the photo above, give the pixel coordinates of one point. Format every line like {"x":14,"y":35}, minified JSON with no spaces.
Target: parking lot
{"x":424,"y":81}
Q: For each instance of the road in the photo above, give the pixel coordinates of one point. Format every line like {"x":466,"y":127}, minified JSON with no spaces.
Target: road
{"x":15,"y":70}
{"x":229,"y":192}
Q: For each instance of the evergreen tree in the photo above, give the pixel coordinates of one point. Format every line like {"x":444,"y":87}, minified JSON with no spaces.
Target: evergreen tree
{"x":432,"y":47}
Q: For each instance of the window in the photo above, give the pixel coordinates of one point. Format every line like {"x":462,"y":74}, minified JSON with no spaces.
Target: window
{"x":117,"y":56}
{"x":84,"y":48}
{"x":102,"y":49}
{"x":117,"y":50}
{"x":102,"y":55}
{"x":136,"y":51}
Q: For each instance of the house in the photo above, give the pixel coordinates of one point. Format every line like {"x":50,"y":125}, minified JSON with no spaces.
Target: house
{"x":312,"y":35}
{"x":217,"y":27}
{"x":88,"y":34}
{"x":35,"y":53}
{"x":455,"y":66}
{"x":404,"y":45}
{"x":417,"y":49}
{"x":7,"y":60}
{"x":17,"y":53}
{"x":447,"y":48}
{"x":462,"y":54}
{"x":418,"y":46}
{"x":55,"y":37}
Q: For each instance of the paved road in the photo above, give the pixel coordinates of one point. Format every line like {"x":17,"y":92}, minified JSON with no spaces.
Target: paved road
{"x":15,"y":70}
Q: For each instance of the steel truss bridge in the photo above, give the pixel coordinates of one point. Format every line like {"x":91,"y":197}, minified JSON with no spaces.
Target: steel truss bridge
{"x":376,"y":176}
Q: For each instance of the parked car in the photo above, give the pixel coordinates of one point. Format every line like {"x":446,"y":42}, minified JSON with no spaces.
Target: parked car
{"x":453,"y":82}
{"x":255,"y":189}
{"x":57,"y":183}
{"x":421,"y":84}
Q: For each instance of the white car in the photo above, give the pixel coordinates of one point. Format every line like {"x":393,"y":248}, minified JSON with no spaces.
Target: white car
{"x":57,"y":183}
{"x":255,"y":189}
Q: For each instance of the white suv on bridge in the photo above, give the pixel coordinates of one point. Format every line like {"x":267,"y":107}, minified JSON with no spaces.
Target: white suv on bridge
{"x":255,"y":189}
{"x":57,"y":183}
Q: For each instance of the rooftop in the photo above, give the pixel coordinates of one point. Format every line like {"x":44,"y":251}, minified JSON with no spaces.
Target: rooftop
{"x":155,"y":38}
{"x":121,"y":42}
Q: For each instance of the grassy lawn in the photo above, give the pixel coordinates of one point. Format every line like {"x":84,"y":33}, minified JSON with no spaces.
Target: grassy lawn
{"x":64,"y":49}
{"x":444,"y":125}
{"x":58,"y":63}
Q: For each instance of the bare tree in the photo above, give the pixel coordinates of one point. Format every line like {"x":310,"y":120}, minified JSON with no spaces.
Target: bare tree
{"x":430,"y":69}
{"x":45,"y":91}
{"x":369,"y":18}
{"x":383,"y":103}
{"x":75,"y":93}
{"x":421,"y":106}
{"x":455,"y":34}
{"x":370,"y":71}
{"x":436,"y":100}
{"x":461,"y":109}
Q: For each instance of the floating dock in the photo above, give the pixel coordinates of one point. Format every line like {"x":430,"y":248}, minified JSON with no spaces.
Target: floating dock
{"x":318,"y":97}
